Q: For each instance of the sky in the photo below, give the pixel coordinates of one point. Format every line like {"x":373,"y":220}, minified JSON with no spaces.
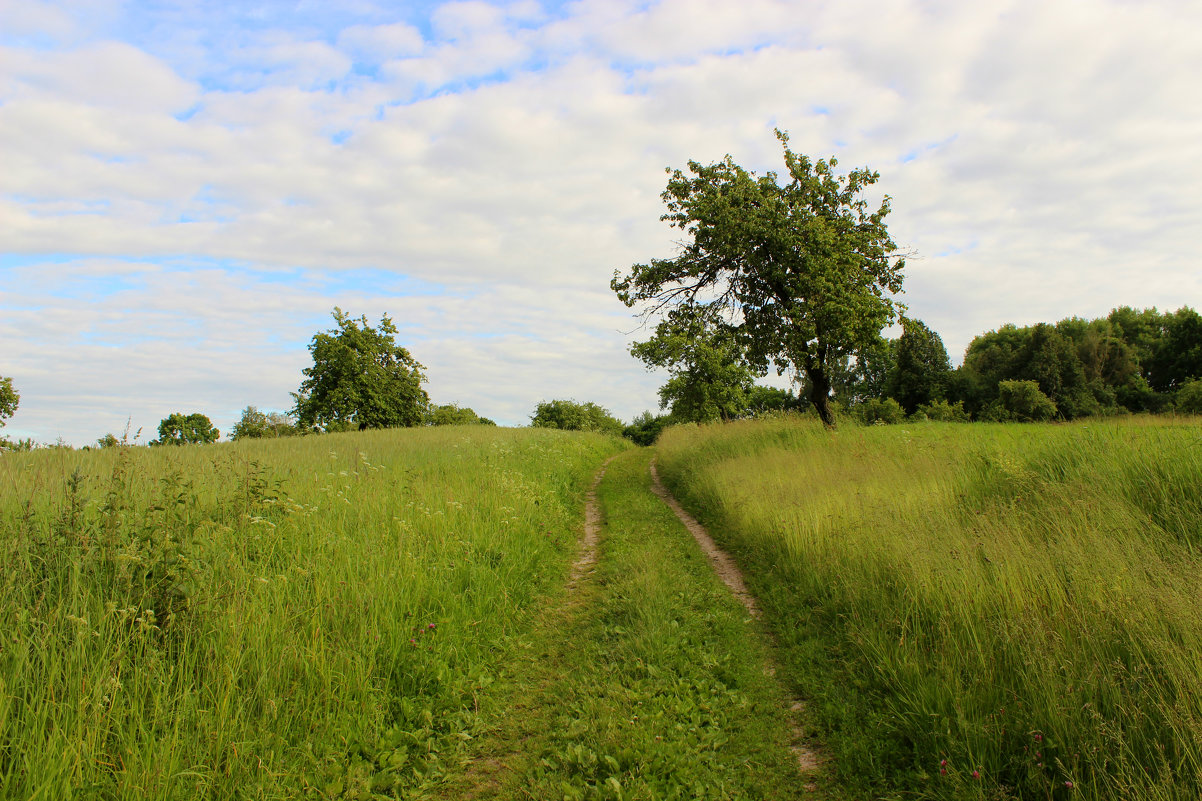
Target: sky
{"x":188,"y":189}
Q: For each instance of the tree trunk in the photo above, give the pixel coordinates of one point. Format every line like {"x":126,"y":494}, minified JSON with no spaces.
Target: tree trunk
{"x":820,"y":395}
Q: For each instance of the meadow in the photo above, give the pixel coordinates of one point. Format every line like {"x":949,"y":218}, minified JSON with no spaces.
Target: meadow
{"x":315,"y":617}
{"x":974,"y":611}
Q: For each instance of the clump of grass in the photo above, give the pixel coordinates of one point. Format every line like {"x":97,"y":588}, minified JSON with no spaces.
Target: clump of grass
{"x":977,"y":611}
{"x":282,"y":618}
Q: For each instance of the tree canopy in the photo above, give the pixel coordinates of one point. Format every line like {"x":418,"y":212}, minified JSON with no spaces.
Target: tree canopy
{"x":709,"y":377}
{"x":800,"y":270}
{"x":185,"y":429}
{"x":9,"y":399}
{"x":360,"y":378}
{"x":256,"y":424}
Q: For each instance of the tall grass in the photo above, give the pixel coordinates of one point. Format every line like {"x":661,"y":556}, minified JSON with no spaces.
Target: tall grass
{"x":977,"y":611}
{"x":309,"y":617}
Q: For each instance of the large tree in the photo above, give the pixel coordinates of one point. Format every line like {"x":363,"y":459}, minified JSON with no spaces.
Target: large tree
{"x":801,"y":269}
{"x":360,"y":378}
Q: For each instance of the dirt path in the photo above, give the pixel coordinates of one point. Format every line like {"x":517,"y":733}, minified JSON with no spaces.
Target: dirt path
{"x":587,"y":556}
{"x":808,"y":760}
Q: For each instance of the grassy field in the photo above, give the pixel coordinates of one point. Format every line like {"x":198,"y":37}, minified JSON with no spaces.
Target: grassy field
{"x":314,"y":617}
{"x":975,"y":611}
{"x":647,"y":682}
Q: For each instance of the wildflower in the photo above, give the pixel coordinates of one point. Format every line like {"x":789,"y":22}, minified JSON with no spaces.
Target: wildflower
{"x":943,"y":763}
{"x":943,"y":771}
{"x":430,"y":626}
{"x":1038,"y":738}
{"x":976,"y":774}
{"x":1069,"y":785}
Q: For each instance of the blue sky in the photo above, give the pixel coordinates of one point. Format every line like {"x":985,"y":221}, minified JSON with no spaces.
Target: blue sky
{"x":188,"y":189}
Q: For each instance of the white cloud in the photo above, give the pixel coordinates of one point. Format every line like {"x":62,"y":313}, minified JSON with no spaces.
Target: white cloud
{"x":1044,"y":161}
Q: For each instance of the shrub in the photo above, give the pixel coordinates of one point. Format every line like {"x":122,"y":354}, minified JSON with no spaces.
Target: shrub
{"x":1189,"y":397}
{"x":1020,"y":401}
{"x":943,"y":412}
{"x":887,"y":411}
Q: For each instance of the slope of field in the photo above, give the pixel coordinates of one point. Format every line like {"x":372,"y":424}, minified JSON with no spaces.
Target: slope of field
{"x":975,"y":611}
{"x":310,"y":617}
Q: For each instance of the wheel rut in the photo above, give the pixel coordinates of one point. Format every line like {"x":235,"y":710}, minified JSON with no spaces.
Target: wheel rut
{"x":808,"y":759}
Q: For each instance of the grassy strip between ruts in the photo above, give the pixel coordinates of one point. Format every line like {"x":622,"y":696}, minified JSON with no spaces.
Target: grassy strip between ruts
{"x":647,"y":681}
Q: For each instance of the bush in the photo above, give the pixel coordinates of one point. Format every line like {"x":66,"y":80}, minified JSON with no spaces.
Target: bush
{"x":887,"y":411}
{"x":452,"y":414}
{"x":943,"y":412}
{"x":1189,"y":397}
{"x":1021,"y":402}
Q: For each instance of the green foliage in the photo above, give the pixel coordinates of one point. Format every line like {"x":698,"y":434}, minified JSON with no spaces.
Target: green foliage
{"x":255,"y":424}
{"x":360,"y":378}
{"x":1177,"y":357}
{"x":1020,"y":401}
{"x":182,"y":429}
{"x":864,"y":374}
{"x":920,"y":372}
{"x":943,"y":412}
{"x":645,"y":428}
{"x":451,"y":414}
{"x":709,"y":376}
{"x":766,"y":400}
{"x":572,"y":416}
{"x":9,"y":399}
{"x":1189,"y":397}
{"x":880,"y":411}
{"x":1019,"y":602}
{"x":800,"y":271}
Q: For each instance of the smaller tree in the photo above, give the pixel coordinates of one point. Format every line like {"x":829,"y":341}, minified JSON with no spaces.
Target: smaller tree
{"x":1189,"y":397}
{"x":9,"y":399}
{"x":572,"y":416}
{"x":645,"y":428}
{"x":180,"y":429}
{"x":360,"y":378}
{"x":256,"y":424}
{"x":921,"y":371}
{"x":452,"y":414}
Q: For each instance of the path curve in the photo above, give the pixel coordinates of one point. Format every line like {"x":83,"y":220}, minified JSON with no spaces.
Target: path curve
{"x":808,"y":760}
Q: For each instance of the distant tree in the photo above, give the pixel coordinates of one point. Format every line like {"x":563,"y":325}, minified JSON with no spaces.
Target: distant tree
{"x":108,"y":441}
{"x":921,"y":369}
{"x":1177,"y":356}
{"x":573,"y":416}
{"x":256,"y":424}
{"x":9,"y":399}
{"x":360,"y":378}
{"x":709,"y":374}
{"x":451,"y":414}
{"x":863,"y":375}
{"x":181,"y":429}
{"x":800,"y":271}
{"x":764,"y":400}
{"x":646,"y":428}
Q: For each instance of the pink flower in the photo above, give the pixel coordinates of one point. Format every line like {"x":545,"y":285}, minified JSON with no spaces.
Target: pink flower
{"x":943,"y":771}
{"x":1038,"y":738}
{"x":1069,"y":785}
{"x":943,"y":763}
{"x":976,"y":774}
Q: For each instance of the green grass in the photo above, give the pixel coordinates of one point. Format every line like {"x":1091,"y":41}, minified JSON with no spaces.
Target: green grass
{"x":314,"y":617}
{"x":646,"y":682}
{"x":1020,"y":601}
